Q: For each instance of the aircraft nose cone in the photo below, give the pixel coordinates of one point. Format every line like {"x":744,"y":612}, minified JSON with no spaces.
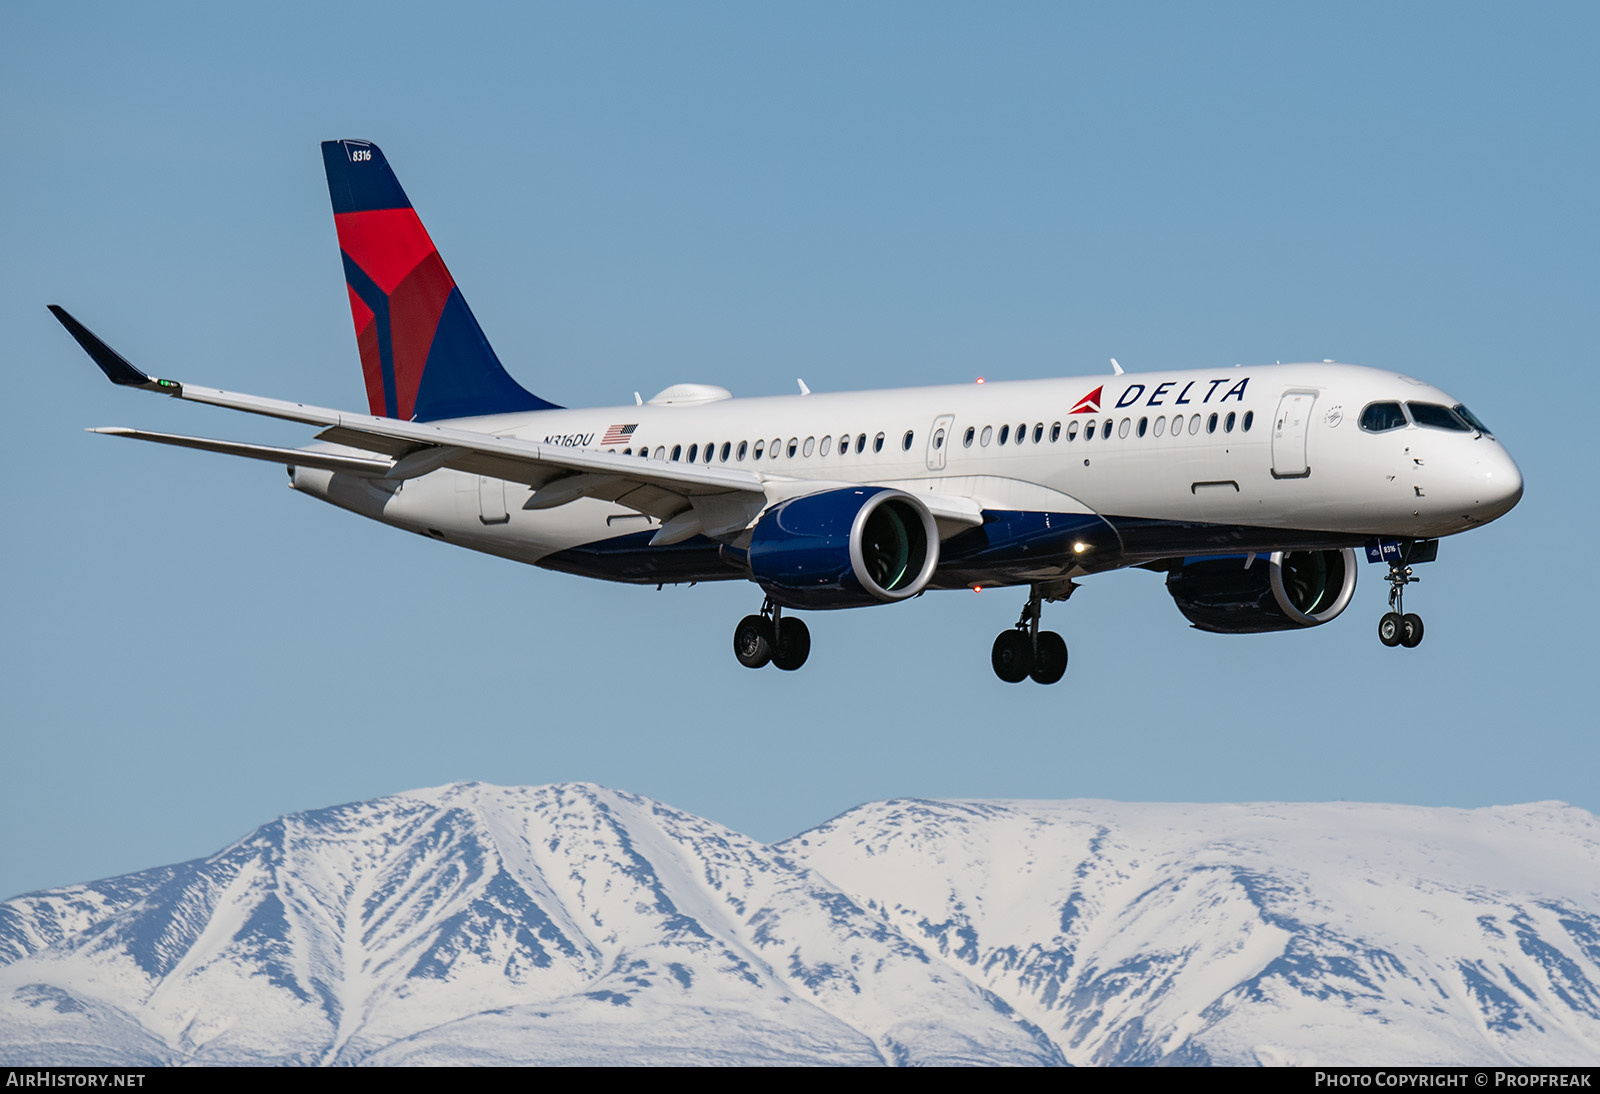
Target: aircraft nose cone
{"x":1499,"y":484}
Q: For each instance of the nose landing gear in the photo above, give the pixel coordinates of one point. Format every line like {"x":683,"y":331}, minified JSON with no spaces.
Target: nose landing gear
{"x":768,"y":637}
{"x":1025,"y":650}
{"x":1399,"y":627}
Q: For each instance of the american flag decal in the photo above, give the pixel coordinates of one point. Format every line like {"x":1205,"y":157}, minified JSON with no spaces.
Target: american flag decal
{"x":619,"y":434}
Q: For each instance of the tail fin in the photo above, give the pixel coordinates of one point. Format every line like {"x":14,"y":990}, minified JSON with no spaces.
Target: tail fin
{"x":422,"y":352}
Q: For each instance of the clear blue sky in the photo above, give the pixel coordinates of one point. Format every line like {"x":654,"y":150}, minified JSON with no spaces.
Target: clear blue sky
{"x":863,"y":195}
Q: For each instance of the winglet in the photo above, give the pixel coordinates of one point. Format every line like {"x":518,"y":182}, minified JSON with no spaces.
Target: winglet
{"x":112,"y":363}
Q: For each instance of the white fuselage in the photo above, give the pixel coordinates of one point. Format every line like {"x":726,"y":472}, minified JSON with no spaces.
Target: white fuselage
{"x":1165,"y":447}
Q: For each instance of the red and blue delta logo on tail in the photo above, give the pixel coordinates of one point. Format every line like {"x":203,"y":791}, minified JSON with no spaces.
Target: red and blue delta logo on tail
{"x":423,"y":355}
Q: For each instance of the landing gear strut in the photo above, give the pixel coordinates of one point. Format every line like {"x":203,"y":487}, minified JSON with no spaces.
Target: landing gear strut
{"x":1025,"y":650}
{"x":1398,"y":627}
{"x":768,"y":637}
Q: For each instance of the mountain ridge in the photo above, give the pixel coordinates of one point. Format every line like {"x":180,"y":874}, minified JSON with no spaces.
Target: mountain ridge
{"x":572,"y":923}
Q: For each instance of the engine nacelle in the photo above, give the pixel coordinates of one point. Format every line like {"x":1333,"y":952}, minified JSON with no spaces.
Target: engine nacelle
{"x":844,"y":548}
{"x":1277,"y":592}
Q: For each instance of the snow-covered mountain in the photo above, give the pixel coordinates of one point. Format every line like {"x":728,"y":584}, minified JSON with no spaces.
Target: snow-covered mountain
{"x":576,"y":924}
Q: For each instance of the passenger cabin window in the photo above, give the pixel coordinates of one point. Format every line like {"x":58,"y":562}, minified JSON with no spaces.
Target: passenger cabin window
{"x":810,"y":446}
{"x":1005,"y":432}
{"x":861,"y":444}
{"x":1022,"y":432}
{"x":1088,"y":430}
{"x":877,"y":443}
{"x":1072,"y":430}
{"x":905,"y":442}
{"x":677,"y":450}
{"x":966,"y":440}
{"x":1249,"y":417}
{"x":988,"y":434}
{"x":1382,"y":417}
{"x":1055,"y":432}
{"x":1435,"y":416}
{"x":1160,"y":427}
{"x":1144,"y":426}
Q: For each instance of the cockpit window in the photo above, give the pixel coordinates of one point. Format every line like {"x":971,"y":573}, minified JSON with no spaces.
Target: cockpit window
{"x":1472,"y":419}
{"x":1435,"y":416}
{"x":1382,"y":417}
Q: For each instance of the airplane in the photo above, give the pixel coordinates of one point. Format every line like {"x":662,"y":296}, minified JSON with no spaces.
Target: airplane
{"x":1250,"y":488}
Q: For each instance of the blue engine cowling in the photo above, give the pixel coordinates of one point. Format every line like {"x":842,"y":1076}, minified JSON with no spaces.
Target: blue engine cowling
{"x":1282,"y":591}
{"x":844,"y":548}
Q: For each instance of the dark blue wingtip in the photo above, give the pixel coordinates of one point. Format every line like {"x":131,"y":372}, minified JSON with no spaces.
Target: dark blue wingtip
{"x":112,"y":363}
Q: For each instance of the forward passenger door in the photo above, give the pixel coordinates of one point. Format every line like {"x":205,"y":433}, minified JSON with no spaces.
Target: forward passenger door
{"x":1289,"y":435}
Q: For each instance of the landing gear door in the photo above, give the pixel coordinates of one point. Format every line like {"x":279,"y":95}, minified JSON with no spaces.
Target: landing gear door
{"x":939,"y":441}
{"x":1289,"y":435}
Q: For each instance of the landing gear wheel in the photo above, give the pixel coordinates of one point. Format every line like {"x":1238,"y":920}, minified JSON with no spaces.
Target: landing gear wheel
{"x":1012,"y":656}
{"x":752,"y":641}
{"x":793,"y":645}
{"x":1399,"y":627}
{"x":1410,"y":630}
{"x":1390,"y":629}
{"x":1049,"y":658}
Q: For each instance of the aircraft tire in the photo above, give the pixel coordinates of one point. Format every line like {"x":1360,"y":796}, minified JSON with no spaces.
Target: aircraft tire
{"x":1390,"y":628}
{"x":793,"y":645}
{"x":752,"y":641}
{"x":1410,"y":631}
{"x":1049,"y":659}
{"x":1012,"y":656}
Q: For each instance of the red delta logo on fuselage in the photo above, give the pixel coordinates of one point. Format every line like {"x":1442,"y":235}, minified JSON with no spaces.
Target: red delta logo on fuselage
{"x":1161,"y":393}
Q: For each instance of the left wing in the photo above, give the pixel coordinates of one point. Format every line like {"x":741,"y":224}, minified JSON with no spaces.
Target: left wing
{"x":688,"y":498}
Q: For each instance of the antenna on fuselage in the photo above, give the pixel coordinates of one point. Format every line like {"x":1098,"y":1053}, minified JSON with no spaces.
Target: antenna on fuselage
{"x":1116,"y":366}
{"x":638,"y":400}
{"x":803,"y":389}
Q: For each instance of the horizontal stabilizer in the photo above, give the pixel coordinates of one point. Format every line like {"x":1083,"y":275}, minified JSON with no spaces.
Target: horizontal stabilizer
{"x":293,"y":457}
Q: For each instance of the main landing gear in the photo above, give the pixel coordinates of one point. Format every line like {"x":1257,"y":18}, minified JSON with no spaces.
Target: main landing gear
{"x":1399,"y":627}
{"x":768,"y":637}
{"x":1025,"y":650}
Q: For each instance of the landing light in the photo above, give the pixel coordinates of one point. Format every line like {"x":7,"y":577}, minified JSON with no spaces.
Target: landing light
{"x":1079,"y":548}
